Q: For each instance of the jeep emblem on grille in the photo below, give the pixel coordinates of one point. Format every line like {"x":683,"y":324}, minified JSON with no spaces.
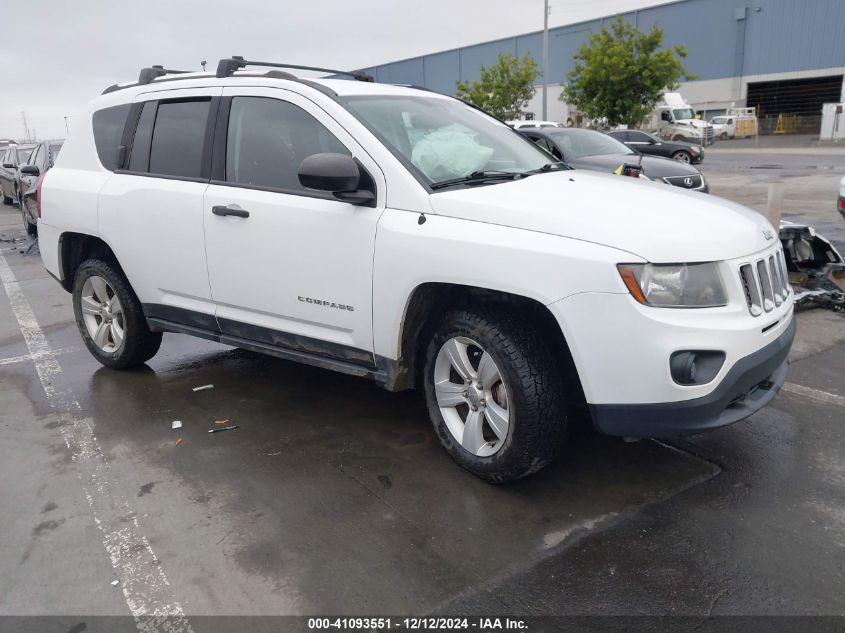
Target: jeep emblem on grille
{"x":688,"y":181}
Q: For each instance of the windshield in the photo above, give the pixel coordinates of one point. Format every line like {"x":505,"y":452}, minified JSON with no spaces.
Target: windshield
{"x":443,"y":139}
{"x":684,"y":113}
{"x":578,"y":143}
{"x":23,"y":155}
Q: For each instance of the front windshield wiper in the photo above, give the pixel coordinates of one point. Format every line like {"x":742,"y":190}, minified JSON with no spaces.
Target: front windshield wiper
{"x":559,"y":164}
{"x":479,"y":177}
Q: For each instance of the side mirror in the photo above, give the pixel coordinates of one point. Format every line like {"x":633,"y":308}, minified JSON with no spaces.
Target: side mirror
{"x":8,"y":166}
{"x":30,"y":170}
{"x":338,"y":174}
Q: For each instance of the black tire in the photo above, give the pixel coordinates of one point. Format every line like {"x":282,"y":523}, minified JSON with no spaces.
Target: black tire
{"x":678,"y":137}
{"x":723,"y":136}
{"x":139,"y":344}
{"x":682,"y":157}
{"x":31,"y":229}
{"x":6,"y":199}
{"x":536,"y":392}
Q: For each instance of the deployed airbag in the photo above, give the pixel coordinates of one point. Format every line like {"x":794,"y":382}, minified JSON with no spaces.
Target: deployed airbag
{"x":450,"y":153}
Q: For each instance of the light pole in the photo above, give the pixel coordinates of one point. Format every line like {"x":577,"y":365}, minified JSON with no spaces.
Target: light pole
{"x":545,"y":60}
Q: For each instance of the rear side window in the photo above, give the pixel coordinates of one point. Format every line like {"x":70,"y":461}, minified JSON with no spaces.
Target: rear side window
{"x":108,"y":131}
{"x":178,"y":136}
{"x":139,"y":158}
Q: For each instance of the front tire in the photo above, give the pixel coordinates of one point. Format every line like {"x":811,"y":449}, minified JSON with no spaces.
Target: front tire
{"x":31,"y":229}
{"x":682,"y":157}
{"x":495,"y":394}
{"x":110,"y":318}
{"x":723,"y":136}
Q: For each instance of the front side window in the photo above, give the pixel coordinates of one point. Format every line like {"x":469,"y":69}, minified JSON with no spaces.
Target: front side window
{"x":684,"y":113}
{"x":178,"y":137}
{"x":35,"y":159}
{"x":23,"y":155}
{"x":638,"y":137}
{"x":444,"y":139}
{"x":268,"y":139}
{"x":108,"y":126}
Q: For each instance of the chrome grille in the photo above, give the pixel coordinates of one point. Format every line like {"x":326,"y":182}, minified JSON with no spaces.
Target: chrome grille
{"x":765,"y":283}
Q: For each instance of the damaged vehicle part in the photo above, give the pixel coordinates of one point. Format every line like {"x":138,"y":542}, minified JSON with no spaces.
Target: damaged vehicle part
{"x":816,"y":269}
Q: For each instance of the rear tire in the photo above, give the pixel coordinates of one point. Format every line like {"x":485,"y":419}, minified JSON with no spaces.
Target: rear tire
{"x":515,"y":394}
{"x":109,"y":317}
{"x":723,"y":136}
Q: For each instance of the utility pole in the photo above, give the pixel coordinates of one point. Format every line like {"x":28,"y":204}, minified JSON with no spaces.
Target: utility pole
{"x":545,"y":60}
{"x":26,"y":132}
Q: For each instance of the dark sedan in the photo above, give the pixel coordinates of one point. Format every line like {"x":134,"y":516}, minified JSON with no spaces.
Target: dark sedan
{"x":646,"y":143}
{"x":11,"y":158}
{"x":40,"y":162}
{"x":587,"y":149}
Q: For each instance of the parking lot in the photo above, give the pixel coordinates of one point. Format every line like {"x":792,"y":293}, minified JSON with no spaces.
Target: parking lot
{"x":335,"y":497}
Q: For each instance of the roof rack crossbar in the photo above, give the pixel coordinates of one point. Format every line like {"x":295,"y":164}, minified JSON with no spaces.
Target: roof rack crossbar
{"x":226,"y":67}
{"x":148,"y":74}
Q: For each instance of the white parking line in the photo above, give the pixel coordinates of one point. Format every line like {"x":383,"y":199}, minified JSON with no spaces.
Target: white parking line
{"x":815,"y":394}
{"x":145,"y":587}
{"x":11,"y":360}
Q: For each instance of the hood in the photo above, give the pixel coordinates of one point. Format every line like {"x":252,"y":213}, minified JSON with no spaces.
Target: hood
{"x":653,"y":166}
{"x":652,"y":220}
{"x":695,"y":123}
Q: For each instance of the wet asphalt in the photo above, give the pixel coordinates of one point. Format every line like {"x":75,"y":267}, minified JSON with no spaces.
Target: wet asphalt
{"x":334,"y":497}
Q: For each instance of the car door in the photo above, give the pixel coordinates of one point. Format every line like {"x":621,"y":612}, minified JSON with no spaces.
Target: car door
{"x":297,"y":272}
{"x":39,"y":160}
{"x":151,"y":209}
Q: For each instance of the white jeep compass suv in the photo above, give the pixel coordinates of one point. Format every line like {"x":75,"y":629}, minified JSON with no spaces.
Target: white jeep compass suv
{"x":404,"y":236}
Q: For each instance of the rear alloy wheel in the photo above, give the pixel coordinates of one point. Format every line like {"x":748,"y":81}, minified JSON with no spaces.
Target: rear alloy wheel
{"x":102,"y":314}
{"x":109,"y":317}
{"x":495,"y":393}
{"x":682,"y":157}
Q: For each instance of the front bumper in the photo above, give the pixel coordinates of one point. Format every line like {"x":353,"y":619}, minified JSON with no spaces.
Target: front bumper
{"x":749,"y":386}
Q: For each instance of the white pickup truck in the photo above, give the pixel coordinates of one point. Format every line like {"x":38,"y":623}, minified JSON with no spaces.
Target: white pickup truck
{"x":408,"y":238}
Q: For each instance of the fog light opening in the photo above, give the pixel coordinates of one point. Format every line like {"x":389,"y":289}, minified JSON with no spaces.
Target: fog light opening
{"x":692,"y":367}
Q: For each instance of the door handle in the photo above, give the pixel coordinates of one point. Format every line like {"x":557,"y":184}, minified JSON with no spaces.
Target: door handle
{"x":238,"y":213}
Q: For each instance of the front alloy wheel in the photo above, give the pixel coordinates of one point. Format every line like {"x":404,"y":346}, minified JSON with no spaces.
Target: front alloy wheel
{"x":472,"y":396}
{"x":495,"y":392}
{"x":102,"y":314}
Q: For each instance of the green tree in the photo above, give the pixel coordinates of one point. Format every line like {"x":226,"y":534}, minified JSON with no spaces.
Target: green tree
{"x":504,"y":88}
{"x":620,"y":73}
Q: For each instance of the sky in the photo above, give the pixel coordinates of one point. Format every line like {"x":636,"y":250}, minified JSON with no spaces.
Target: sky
{"x":59,"y":55}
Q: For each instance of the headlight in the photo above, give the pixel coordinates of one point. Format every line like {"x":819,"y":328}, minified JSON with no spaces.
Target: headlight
{"x":695,"y":149}
{"x":675,"y":285}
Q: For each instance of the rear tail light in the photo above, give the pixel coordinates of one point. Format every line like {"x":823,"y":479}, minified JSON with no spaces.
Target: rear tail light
{"x":38,"y":184}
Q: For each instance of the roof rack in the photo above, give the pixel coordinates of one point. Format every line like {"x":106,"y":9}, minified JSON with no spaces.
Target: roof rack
{"x":148,"y":74}
{"x":226,"y":67}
